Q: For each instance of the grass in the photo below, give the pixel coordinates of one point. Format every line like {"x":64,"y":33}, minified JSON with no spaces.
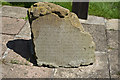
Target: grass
{"x":103,"y":9}
{"x":14,"y":61}
{"x":25,"y":18}
{"x":118,"y":73}
{"x":21,"y":4}
{"x":67,"y":5}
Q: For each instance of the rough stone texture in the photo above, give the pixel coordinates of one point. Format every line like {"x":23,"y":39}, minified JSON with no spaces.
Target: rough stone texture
{"x":20,"y":51}
{"x":113,"y":24}
{"x":59,"y":38}
{"x":114,"y":63}
{"x":94,"y":20}
{"x":3,"y":49}
{"x":23,"y":71}
{"x":5,"y":39}
{"x":113,"y":39}
{"x":99,"y":36}
{"x":15,"y":58}
{"x":25,"y":32}
{"x":11,"y":25}
{"x":98,"y":70}
{"x":16,"y":12}
{"x":113,"y":50}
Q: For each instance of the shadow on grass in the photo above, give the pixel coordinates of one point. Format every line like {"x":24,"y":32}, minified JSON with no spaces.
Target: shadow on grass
{"x":23,"y":48}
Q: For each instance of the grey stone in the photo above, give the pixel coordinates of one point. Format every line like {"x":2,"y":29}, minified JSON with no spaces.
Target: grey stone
{"x":99,"y":36}
{"x":16,"y":12}
{"x":0,"y":44}
{"x":114,"y":62}
{"x":113,"y":39}
{"x":25,"y":32}
{"x":20,"y":49}
{"x":3,"y":49}
{"x":94,"y":20}
{"x":5,"y":39}
{"x":14,"y":58}
{"x":113,"y":50}
{"x":12,"y":25}
{"x":59,"y":38}
{"x":98,"y":70}
{"x":23,"y":71}
{"x":113,"y":24}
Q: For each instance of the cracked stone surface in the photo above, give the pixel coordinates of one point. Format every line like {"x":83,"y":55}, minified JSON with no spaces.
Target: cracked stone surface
{"x":99,"y":36}
{"x":25,"y":32}
{"x":12,"y":25}
{"x":59,"y":38}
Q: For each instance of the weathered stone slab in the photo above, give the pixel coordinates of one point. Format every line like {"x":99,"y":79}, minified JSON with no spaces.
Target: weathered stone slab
{"x":11,"y":70}
{"x":25,"y":33}
{"x":114,"y":50}
{"x":114,"y":62}
{"x":5,"y":39}
{"x":59,"y":38}
{"x":12,"y":25}
{"x":93,"y":20}
{"x":14,"y":58}
{"x":113,"y":24}
{"x":16,"y":12}
{"x":98,"y":70}
{"x":20,"y":50}
{"x":113,"y":39}
{"x":99,"y":36}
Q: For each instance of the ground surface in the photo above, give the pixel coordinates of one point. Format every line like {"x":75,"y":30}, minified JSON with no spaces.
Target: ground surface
{"x":17,"y":61}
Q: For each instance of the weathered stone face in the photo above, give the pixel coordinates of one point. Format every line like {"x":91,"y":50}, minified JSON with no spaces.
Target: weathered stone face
{"x":59,"y":38}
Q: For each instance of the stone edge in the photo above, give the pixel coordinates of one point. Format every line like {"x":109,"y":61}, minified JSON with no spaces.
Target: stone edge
{"x":0,"y":40}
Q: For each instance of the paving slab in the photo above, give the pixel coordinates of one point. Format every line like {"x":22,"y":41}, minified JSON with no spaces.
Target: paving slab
{"x":0,"y":23}
{"x":12,"y":11}
{"x":14,"y":58}
{"x":113,"y":39}
{"x":20,"y":51}
{"x":113,"y":24}
{"x":23,"y":71}
{"x":25,"y":32}
{"x":113,"y":50}
{"x":99,"y":36}
{"x":98,"y":70}
{"x":5,"y":39}
{"x":12,"y":25}
{"x":4,"y":48}
{"x":114,"y":63}
{"x":94,"y":20}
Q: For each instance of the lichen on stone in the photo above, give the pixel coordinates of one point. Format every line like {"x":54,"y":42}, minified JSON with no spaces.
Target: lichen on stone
{"x":44,"y":8}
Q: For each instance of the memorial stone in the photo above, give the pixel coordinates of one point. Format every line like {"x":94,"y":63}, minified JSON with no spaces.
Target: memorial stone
{"x":59,"y":38}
